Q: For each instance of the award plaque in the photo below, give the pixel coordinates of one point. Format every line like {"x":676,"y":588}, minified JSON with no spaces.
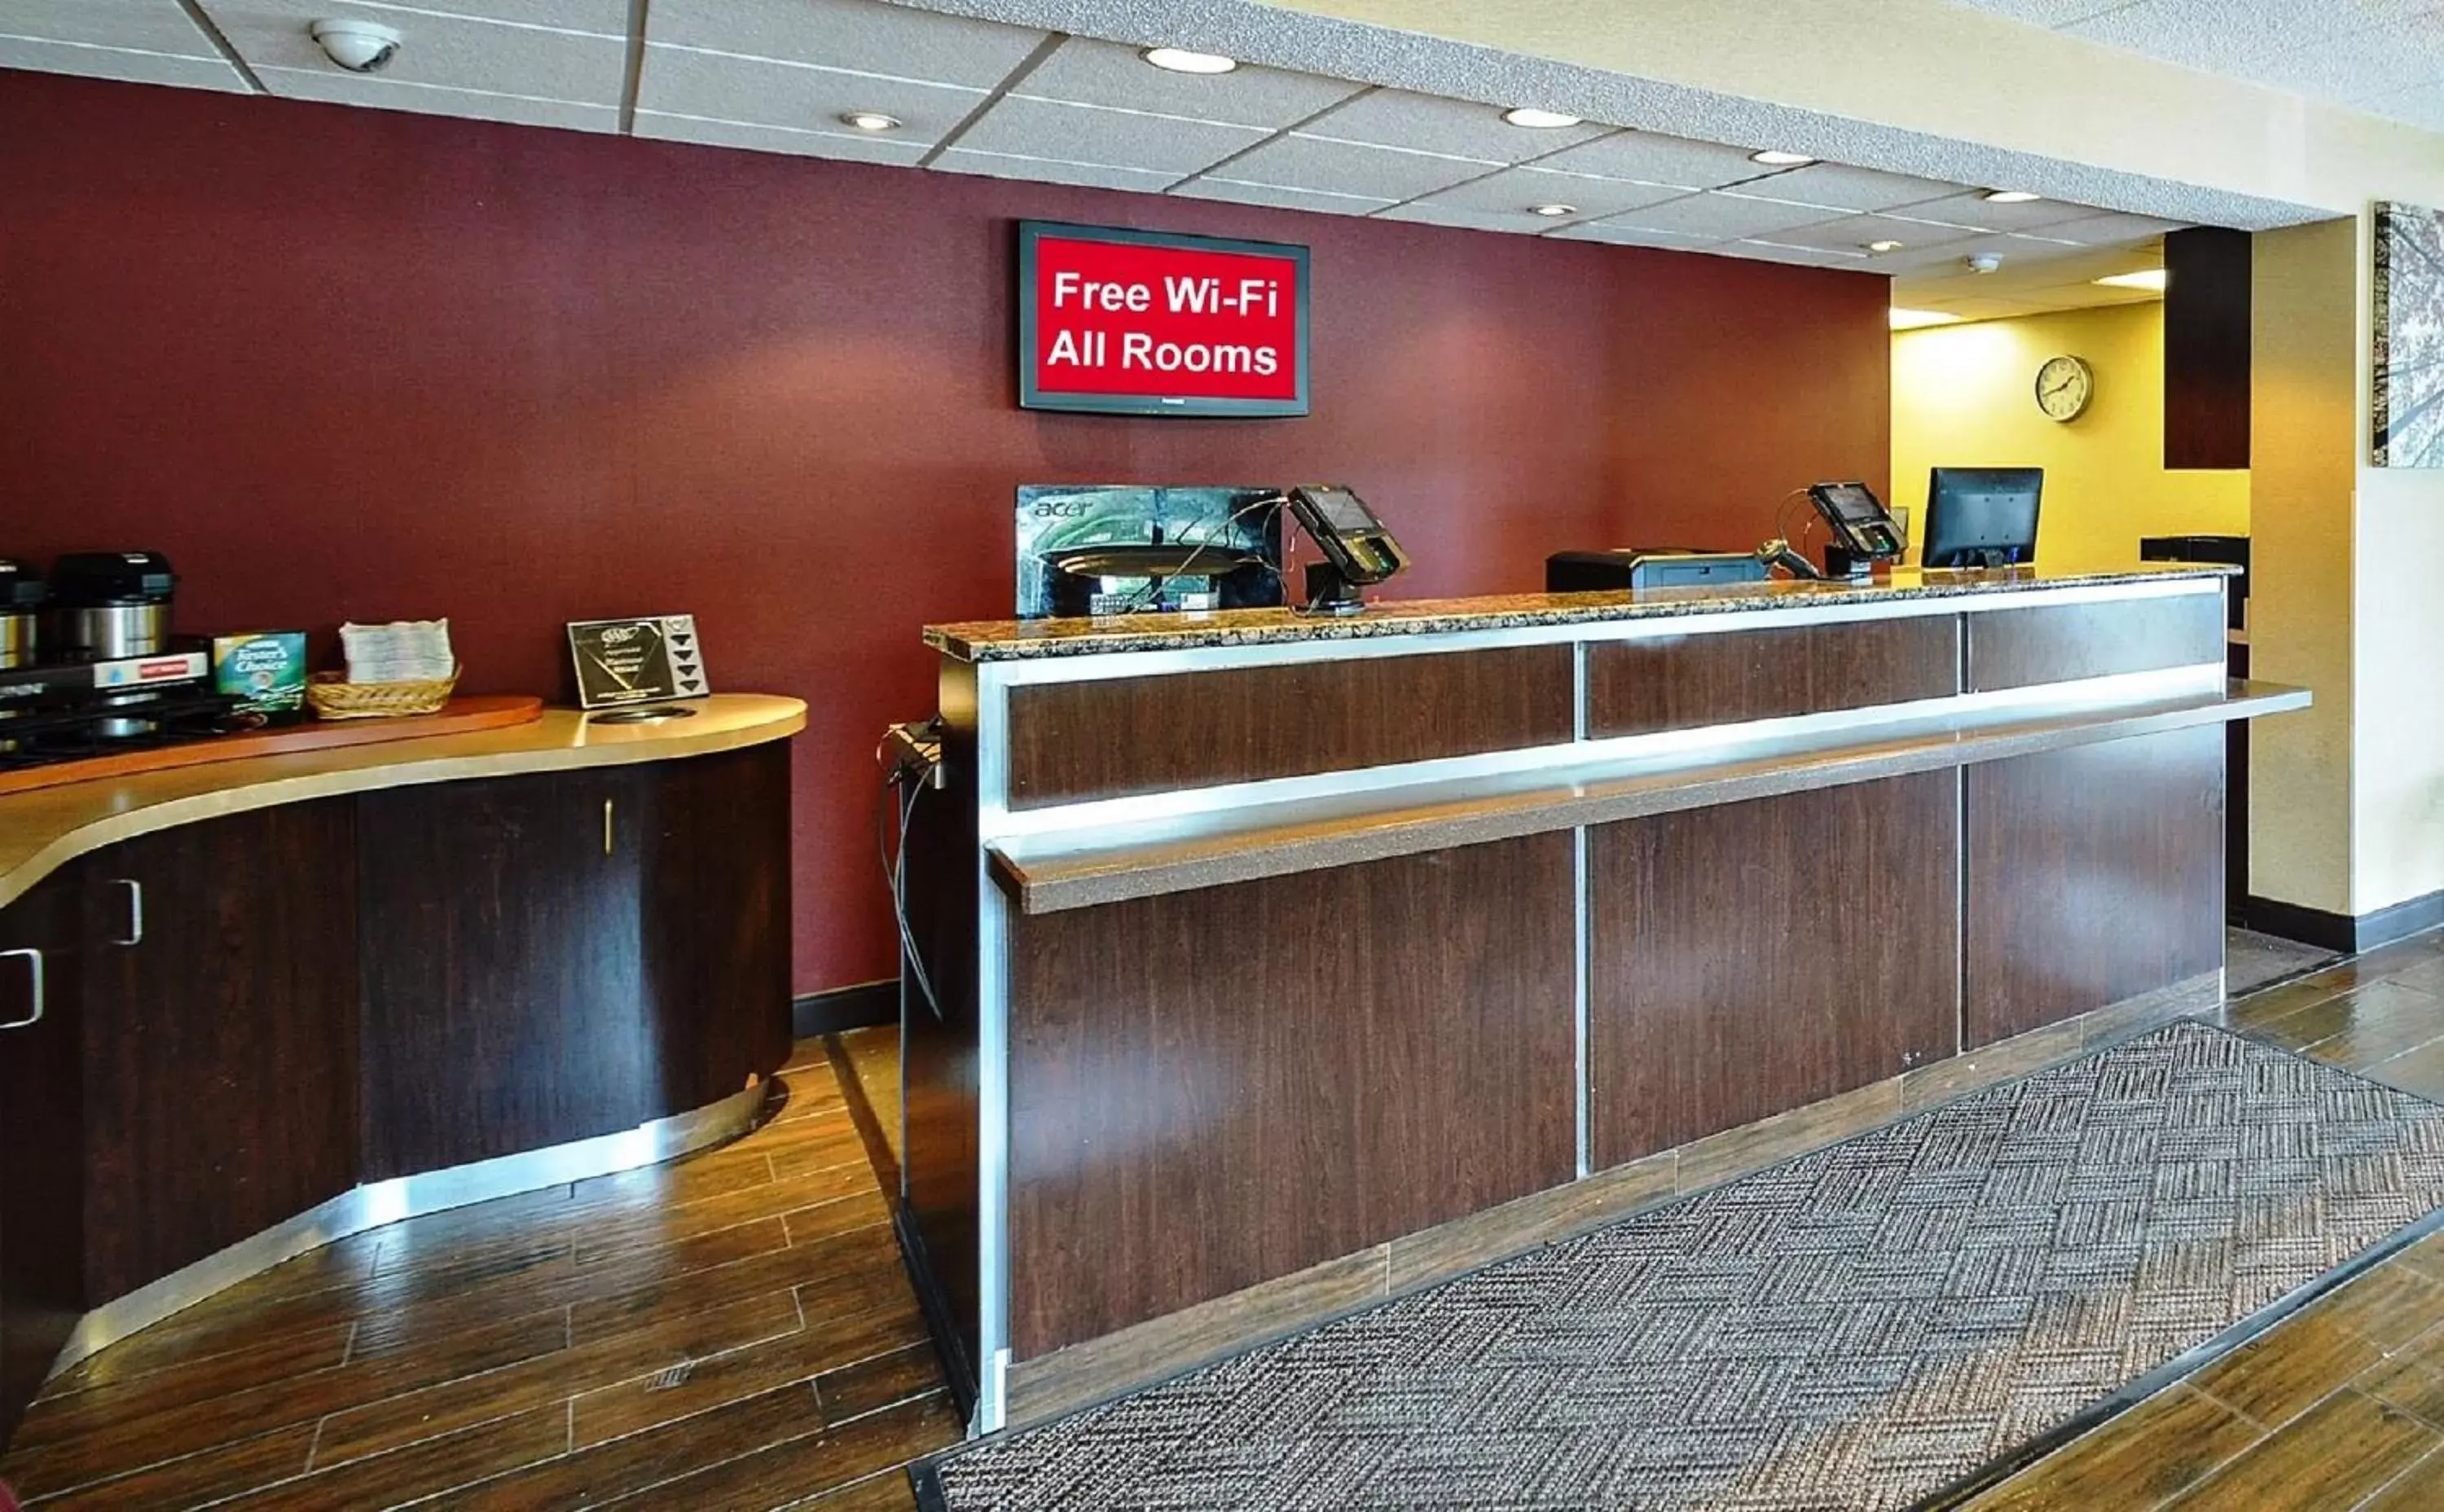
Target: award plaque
{"x":622,"y":663}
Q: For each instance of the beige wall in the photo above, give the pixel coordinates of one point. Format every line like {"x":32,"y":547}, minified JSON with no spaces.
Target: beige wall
{"x":2304,"y":444}
{"x":2398,"y":641}
{"x":1962,"y":396}
{"x":1948,"y":70}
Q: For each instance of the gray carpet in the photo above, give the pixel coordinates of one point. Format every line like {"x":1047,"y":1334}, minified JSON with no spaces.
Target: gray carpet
{"x":2252,"y":960}
{"x":1858,"y":1328}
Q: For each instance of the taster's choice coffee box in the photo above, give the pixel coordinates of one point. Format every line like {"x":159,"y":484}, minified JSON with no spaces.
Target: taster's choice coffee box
{"x":265,"y":671}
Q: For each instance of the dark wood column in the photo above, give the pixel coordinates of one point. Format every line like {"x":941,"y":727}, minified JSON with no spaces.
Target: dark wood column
{"x":1215,"y":1088}
{"x":1759,"y":956}
{"x":2095,"y":874}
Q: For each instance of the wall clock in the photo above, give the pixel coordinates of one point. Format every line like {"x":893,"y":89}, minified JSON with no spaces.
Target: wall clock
{"x":2064,"y":385}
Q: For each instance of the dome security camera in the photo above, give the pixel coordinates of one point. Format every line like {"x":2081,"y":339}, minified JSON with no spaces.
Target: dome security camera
{"x":359,"y":47}
{"x":1985,"y":263}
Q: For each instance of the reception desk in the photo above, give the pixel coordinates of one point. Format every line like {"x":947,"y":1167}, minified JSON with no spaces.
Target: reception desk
{"x":1287,"y":964}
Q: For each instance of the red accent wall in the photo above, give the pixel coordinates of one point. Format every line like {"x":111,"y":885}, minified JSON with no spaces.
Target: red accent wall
{"x":347,"y":363}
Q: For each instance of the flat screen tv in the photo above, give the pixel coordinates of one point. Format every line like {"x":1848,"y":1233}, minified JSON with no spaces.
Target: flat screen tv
{"x":1120,"y":322}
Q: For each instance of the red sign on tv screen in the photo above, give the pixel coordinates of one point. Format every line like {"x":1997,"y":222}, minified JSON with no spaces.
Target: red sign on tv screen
{"x":1144,"y":322}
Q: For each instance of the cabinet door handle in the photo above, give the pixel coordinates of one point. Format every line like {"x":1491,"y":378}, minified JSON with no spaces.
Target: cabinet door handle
{"x":34,"y":976}
{"x":606,"y":826}
{"x":135,"y":911}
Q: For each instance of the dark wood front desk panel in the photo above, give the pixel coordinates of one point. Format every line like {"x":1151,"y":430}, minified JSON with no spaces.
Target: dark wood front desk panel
{"x":1347,"y":1077}
{"x":248,"y":1016}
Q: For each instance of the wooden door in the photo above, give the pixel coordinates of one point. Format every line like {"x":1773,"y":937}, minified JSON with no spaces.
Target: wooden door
{"x":501,"y":954}
{"x":220,"y":1037}
{"x":40,"y":1254}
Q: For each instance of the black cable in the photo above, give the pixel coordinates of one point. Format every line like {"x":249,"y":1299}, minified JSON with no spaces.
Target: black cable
{"x":1154,"y":585}
{"x":895,"y":875}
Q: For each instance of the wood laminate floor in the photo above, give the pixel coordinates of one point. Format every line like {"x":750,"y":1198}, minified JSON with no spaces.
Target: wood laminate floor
{"x":2342,"y":1406}
{"x":733,"y":1331}
{"x":729,"y":1330}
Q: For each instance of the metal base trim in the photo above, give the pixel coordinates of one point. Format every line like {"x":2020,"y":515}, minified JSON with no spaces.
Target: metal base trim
{"x":386,"y":1202}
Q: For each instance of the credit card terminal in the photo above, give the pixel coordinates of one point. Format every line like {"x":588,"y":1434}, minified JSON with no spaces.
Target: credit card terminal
{"x":1358,"y":550}
{"x":1861,"y":523}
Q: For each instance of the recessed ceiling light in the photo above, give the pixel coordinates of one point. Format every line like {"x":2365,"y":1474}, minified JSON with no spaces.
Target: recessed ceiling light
{"x":1911,"y":319}
{"x":1180,"y":59}
{"x":1883,"y":246}
{"x":1552,"y":211}
{"x":2010,"y":196}
{"x":1535,"y":119}
{"x":2153,"y":279}
{"x":1776,"y":158}
{"x":871,"y":120}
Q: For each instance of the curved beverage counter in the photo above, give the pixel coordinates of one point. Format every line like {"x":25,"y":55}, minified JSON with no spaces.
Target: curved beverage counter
{"x":249,"y":1008}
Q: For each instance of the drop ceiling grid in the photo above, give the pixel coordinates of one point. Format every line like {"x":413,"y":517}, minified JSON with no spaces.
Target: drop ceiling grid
{"x":2385,"y":57}
{"x":983,"y":96}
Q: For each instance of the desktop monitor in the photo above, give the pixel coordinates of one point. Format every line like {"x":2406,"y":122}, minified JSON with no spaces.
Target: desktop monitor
{"x":1981,"y":517}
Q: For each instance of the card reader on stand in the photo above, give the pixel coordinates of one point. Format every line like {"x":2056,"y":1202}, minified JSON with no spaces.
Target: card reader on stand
{"x":1358,"y":550}
{"x":1864,"y":532}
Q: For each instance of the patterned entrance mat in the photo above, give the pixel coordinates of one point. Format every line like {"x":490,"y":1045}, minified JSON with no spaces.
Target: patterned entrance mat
{"x":1862,"y":1327}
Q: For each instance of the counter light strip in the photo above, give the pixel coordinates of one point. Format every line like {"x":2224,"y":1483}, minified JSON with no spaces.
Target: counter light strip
{"x":1585,"y":899}
{"x":993,"y":1068}
{"x":996,"y":823}
{"x":1096,"y":666}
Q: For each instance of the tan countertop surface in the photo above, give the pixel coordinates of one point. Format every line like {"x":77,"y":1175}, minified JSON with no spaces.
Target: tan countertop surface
{"x":42,"y":830}
{"x":1034,"y":639}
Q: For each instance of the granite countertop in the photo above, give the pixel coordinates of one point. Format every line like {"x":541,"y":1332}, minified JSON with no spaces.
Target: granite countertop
{"x":1033,"y":639}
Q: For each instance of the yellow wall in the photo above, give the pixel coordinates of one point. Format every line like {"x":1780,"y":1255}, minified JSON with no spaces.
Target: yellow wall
{"x":1964,"y":395}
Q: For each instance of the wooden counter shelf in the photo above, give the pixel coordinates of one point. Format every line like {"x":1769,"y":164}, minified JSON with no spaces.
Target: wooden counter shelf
{"x":1109,"y":863}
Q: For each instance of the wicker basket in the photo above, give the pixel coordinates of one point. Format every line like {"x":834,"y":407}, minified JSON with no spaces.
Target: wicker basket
{"x":333,"y":697}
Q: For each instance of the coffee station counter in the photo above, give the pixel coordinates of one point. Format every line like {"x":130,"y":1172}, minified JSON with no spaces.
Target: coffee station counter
{"x":43,"y":829}
{"x":249,"y":1008}
{"x":1285,"y":961}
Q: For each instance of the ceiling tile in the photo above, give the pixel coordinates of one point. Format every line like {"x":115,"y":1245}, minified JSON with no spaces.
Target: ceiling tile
{"x":1300,"y":161}
{"x":1646,"y":157}
{"x":429,"y":99}
{"x":1049,"y":170}
{"x":854,"y":146}
{"x":1976,"y":309}
{"x":2365,"y":66}
{"x":1758,"y":249}
{"x":1839,"y":187}
{"x":1953,"y":256}
{"x":1974,"y":212}
{"x":2047,"y":12}
{"x":1621,"y":234}
{"x":1018,"y":126}
{"x":2108,"y":229}
{"x":1723,"y":217}
{"x":1507,"y":195}
{"x":1853,"y":233}
{"x":609,"y":17}
{"x":114,"y":63}
{"x":1457,"y":128}
{"x":1105,"y":73}
{"x":1427,"y":213}
{"x":137,"y":25}
{"x":858,"y":35}
{"x":1279,"y":198}
{"x":2220,"y":36}
{"x":711,"y":86}
{"x":446,"y":53}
